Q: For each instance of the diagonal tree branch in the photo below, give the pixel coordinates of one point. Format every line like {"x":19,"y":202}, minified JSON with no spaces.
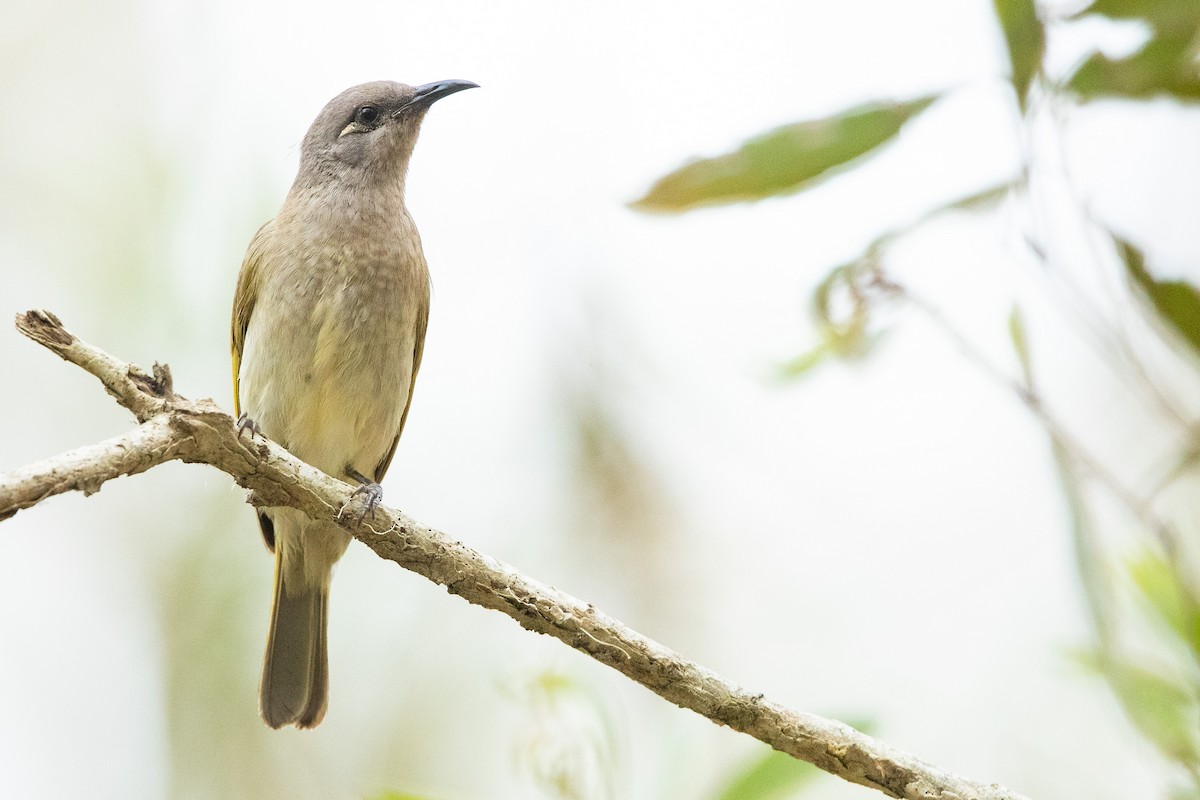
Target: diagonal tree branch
{"x":85,"y":469}
{"x":174,"y":427}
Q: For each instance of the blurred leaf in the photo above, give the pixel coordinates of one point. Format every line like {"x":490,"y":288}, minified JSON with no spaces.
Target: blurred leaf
{"x":1026,"y":40}
{"x":773,"y":776}
{"x":844,"y":329}
{"x":1155,"y":579}
{"x":1184,"y":793}
{"x":1163,"y":588}
{"x":549,"y":683}
{"x":397,"y":796}
{"x":1016,"y":332}
{"x":842,"y":311}
{"x":1176,"y":302}
{"x":1173,"y":17}
{"x":1164,"y":66}
{"x":781,"y":161}
{"x":982,"y":200}
{"x":847,"y":335}
{"x":1093,"y":572}
{"x":802,"y":364}
{"x":1162,"y":709}
{"x":842,"y":305}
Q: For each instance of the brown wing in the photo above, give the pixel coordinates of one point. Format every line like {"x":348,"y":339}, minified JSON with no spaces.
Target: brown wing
{"x":244,"y":300}
{"x":418,"y":350}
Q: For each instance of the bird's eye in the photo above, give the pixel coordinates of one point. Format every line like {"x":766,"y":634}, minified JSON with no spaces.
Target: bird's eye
{"x":367,"y":115}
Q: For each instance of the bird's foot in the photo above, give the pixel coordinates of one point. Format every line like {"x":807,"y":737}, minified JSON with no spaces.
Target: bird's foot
{"x":245,"y":423}
{"x":372,"y":491}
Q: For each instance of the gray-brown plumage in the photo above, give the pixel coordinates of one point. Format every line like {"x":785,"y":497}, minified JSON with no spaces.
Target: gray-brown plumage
{"x":328,"y":326}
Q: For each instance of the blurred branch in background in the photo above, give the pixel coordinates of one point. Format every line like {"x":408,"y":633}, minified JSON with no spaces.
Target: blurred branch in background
{"x":620,"y":518}
{"x":1145,"y":604}
{"x":202,"y":433}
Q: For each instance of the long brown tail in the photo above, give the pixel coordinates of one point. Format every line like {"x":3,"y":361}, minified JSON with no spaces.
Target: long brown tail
{"x":295,"y":679}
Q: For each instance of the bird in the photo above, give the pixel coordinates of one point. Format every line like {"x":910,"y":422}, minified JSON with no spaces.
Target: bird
{"x":328,"y":329}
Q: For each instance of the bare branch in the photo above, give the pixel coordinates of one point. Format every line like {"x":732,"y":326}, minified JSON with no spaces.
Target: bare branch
{"x":198,"y":431}
{"x":85,"y":469}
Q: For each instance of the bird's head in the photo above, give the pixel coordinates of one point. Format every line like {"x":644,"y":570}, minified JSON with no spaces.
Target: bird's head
{"x":371,"y":128}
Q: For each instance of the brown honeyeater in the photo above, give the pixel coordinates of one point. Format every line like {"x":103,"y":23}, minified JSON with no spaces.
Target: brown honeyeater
{"x":328,"y":327}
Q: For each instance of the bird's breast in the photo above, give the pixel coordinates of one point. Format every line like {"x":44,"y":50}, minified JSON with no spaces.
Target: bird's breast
{"x":330,"y":345}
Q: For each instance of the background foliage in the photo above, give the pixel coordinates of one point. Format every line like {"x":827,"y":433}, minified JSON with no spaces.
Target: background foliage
{"x":1148,"y":591}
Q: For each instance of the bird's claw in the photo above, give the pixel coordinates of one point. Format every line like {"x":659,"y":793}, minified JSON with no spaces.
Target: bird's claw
{"x":245,"y":423}
{"x":372,"y":491}
{"x":374,"y":494}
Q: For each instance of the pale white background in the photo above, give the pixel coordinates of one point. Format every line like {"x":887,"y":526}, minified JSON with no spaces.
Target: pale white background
{"x":884,"y":541}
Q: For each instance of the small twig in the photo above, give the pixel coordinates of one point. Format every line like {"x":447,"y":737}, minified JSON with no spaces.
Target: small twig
{"x":198,"y":431}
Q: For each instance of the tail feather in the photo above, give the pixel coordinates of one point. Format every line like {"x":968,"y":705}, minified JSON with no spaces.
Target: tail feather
{"x":318,"y":687}
{"x":295,"y":679}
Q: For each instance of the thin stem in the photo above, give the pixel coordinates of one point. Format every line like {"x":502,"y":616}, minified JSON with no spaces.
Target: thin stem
{"x":1033,"y":401}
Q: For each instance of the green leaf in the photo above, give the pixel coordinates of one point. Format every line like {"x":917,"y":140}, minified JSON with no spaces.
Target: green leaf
{"x":1026,"y":40}
{"x":983,"y":200}
{"x":1184,"y":793}
{"x":396,"y":796}
{"x":1157,"y":582}
{"x":842,"y":307}
{"x":1162,"y":709}
{"x":1173,"y":17}
{"x":781,"y":161}
{"x":1176,"y":302}
{"x":1164,"y":66}
{"x":773,"y":776}
{"x":1093,"y":572}
{"x":1164,"y":589}
{"x":804,"y":363}
{"x":845,"y":326}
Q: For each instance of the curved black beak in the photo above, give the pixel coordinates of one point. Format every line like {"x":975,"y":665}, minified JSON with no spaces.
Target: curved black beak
{"x":427,"y":94}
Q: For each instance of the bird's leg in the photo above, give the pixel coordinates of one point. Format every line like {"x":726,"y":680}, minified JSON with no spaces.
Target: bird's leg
{"x":245,"y":423}
{"x":368,"y":487}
